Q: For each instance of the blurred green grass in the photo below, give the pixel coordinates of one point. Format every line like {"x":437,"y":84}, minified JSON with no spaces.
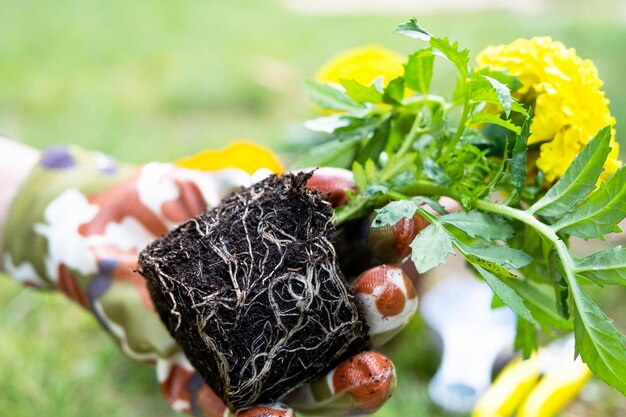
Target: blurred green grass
{"x":148,"y":80}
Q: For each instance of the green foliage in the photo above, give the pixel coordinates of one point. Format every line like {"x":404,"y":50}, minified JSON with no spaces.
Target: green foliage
{"x":418,"y":72}
{"x":519,"y":158}
{"x":579,"y":179}
{"x":417,"y":149}
{"x":607,"y":267}
{"x":507,"y":295}
{"x":329,"y":97}
{"x":600,"y":213}
{"x":431,"y":248}
{"x":479,"y":224}
{"x":362,"y":93}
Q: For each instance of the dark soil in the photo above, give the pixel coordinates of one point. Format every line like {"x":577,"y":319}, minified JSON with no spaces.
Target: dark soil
{"x":252,"y":292}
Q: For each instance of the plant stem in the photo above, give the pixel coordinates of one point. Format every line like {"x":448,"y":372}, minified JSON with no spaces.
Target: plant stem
{"x":461,"y":126}
{"x":410,"y":137}
{"x":548,"y":232}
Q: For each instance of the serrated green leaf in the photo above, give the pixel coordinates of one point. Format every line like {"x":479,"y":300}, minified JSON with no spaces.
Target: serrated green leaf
{"x":360,"y":179}
{"x":451,"y":51}
{"x":393,"y":212}
{"x":503,"y":93}
{"x":436,"y":173}
{"x":525,"y":337}
{"x":559,"y":283}
{"x":490,"y":266}
{"x":371,"y":172}
{"x":507,"y":295}
{"x":607,"y":267}
{"x":511,"y":81}
{"x":329,"y":97}
{"x":487,"y":94}
{"x":519,"y":156}
{"x":496,"y":120}
{"x":579,"y":179}
{"x":501,"y":255}
{"x":539,"y":299}
{"x":430,"y":248}
{"x":600,"y":213}
{"x":599,"y":343}
{"x":394,"y":92}
{"x":413,"y":30}
{"x":418,"y":71}
{"x":477,"y":223}
{"x":362,"y":93}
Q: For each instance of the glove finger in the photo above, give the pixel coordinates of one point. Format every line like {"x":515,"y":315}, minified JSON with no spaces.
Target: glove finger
{"x":360,"y":246}
{"x":388,"y":301}
{"x":359,"y":385}
{"x":273,"y":410}
{"x":333,"y":182}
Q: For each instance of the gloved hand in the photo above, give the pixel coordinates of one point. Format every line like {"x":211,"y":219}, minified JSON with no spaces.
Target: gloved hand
{"x":81,"y":219}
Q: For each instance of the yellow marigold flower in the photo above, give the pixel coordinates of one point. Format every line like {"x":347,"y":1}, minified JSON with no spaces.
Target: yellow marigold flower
{"x":564,"y":89}
{"x":362,"y":64}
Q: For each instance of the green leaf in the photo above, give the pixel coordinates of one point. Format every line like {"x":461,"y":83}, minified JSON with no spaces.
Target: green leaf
{"x":599,"y":343}
{"x":539,"y":299}
{"x":600,"y":213}
{"x":501,"y":255}
{"x":511,"y":81}
{"x":518,"y":158}
{"x":329,"y":97}
{"x":486,"y":93}
{"x":579,"y":179}
{"x":507,"y":295}
{"x":607,"y":267}
{"x":451,"y":51}
{"x":477,"y":223}
{"x":526,"y":337}
{"x":394,"y":92}
{"x":496,"y":120}
{"x":376,"y":144}
{"x":430,"y":248}
{"x":360,"y":179}
{"x":393,"y":212}
{"x":362,"y":93}
{"x":333,"y":154}
{"x":503,"y":93}
{"x":436,"y":173}
{"x":432,"y":203}
{"x":418,"y":71}
{"x":413,"y":30}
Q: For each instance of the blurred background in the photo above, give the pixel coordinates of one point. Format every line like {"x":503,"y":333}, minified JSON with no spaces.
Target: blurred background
{"x":155,"y":80}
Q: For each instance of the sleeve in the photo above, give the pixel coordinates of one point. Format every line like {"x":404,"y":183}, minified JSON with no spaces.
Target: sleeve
{"x":77,"y":226}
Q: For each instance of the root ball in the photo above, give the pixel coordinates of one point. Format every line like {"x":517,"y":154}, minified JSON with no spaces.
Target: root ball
{"x":252,"y":292}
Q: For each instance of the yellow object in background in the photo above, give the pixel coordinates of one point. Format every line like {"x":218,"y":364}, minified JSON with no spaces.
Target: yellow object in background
{"x":569,"y":107}
{"x":363,"y":64}
{"x":242,"y":154}
{"x":510,"y":388}
{"x":537,"y":387}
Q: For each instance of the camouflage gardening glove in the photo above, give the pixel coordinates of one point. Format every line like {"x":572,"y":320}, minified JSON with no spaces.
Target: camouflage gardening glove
{"x":80,"y":220}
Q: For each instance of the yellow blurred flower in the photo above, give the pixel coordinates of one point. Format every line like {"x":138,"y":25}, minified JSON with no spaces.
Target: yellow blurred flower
{"x":564,"y":89}
{"x":363,"y":64}
{"x":242,"y":154}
